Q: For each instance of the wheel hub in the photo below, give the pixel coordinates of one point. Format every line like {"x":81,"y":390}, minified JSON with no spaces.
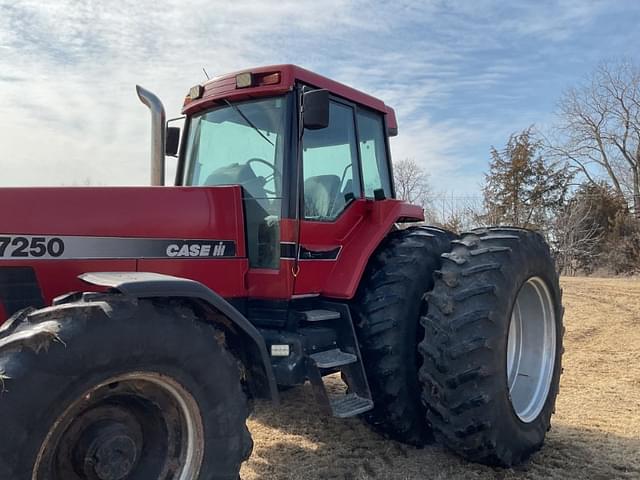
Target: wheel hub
{"x":531,"y":349}
{"x":112,"y":455}
{"x":135,"y":426}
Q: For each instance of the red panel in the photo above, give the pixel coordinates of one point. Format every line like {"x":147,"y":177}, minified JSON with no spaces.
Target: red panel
{"x":150,"y":212}
{"x":205,"y":213}
{"x":273,"y":284}
{"x":288,"y":230}
{"x":3,"y":314}
{"x":359,"y":230}
{"x":225,"y":277}
{"x":57,"y":277}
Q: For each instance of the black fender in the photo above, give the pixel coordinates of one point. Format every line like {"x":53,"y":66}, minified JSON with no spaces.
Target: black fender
{"x":244,"y":338}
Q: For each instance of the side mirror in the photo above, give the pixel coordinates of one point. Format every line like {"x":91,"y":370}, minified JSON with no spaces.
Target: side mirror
{"x":172,"y":141}
{"x":315,"y":109}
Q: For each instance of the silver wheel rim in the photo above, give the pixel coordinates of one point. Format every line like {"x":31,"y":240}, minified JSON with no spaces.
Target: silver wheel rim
{"x":531,"y":349}
{"x":185,"y":423}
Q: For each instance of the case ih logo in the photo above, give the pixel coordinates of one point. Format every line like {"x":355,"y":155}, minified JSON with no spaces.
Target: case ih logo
{"x":16,"y":247}
{"x":196,"y":250}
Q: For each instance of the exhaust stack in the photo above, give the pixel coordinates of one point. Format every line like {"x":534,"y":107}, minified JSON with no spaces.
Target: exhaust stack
{"x":158,"y":130}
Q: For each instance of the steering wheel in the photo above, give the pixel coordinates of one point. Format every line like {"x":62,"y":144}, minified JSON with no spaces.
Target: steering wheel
{"x":268,"y":178}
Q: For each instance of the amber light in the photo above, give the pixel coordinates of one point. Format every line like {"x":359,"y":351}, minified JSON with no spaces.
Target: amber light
{"x":268,"y":79}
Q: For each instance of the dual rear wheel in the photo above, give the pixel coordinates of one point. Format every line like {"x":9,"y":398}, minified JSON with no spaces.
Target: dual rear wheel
{"x":490,"y":323}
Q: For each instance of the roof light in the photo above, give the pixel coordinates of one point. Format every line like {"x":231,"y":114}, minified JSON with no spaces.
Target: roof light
{"x":196,"y":92}
{"x":244,"y":80}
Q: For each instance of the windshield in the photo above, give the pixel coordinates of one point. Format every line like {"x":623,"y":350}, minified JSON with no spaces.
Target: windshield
{"x":240,"y":144}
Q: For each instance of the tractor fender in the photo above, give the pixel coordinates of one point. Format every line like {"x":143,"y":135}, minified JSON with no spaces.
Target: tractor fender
{"x":243,"y":338}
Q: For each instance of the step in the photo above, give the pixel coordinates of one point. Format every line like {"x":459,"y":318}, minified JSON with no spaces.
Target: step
{"x":350,"y":405}
{"x":333,"y":358}
{"x":320,"y":315}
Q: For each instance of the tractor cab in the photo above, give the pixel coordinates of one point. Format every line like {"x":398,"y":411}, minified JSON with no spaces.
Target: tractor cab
{"x":305,"y":150}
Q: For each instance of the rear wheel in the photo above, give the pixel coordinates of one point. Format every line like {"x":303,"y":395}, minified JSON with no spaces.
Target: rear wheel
{"x":119,"y":389}
{"x":493,"y":346}
{"x":386,"y":313}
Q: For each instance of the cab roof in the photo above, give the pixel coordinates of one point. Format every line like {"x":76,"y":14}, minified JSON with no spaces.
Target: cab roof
{"x":280,"y":79}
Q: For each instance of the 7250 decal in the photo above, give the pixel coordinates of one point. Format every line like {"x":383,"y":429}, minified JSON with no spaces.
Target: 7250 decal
{"x":31,"y":247}
{"x":71,"y":247}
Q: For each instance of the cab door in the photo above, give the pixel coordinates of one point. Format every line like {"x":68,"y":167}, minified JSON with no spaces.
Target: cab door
{"x":342,"y":166}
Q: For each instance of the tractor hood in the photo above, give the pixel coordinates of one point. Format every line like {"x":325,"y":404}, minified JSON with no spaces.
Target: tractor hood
{"x":50,"y":235}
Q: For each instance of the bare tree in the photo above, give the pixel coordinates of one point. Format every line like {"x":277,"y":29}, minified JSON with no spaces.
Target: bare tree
{"x":576,"y":236}
{"x":412,"y":182}
{"x":600,"y":128}
{"x":457,"y":213}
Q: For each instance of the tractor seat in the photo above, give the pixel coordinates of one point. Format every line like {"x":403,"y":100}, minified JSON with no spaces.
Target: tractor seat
{"x":320,"y":194}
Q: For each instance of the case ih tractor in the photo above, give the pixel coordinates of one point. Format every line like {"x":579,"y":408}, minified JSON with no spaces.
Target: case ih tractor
{"x":137,"y":322}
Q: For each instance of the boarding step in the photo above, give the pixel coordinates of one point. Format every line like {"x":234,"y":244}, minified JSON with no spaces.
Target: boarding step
{"x":350,"y":405}
{"x":343,"y":356}
{"x":333,"y":358}
{"x":320,"y":315}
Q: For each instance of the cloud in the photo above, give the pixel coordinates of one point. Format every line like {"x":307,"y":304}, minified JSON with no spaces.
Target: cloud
{"x":458,"y":73}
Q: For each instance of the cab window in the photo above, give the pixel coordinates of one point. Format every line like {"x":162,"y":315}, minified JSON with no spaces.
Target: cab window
{"x":373,"y":153}
{"x":244,"y":144}
{"x":330,"y":165}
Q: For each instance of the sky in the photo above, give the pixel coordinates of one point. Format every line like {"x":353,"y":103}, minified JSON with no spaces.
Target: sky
{"x":462,"y":75}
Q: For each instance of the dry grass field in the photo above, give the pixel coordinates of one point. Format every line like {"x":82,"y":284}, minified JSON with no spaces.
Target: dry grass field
{"x":595,"y":433}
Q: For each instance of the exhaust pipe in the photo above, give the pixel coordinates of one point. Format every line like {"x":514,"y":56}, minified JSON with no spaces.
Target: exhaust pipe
{"x":158,"y":130}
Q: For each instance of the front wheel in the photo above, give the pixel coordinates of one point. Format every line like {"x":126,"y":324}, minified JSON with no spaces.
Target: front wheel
{"x":119,"y":389}
{"x":493,"y":346}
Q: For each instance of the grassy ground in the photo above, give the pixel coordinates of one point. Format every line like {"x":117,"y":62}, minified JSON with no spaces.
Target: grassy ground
{"x":595,"y":433}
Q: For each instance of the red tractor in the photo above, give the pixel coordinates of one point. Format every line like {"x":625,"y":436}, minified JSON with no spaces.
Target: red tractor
{"x":137,"y":322}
